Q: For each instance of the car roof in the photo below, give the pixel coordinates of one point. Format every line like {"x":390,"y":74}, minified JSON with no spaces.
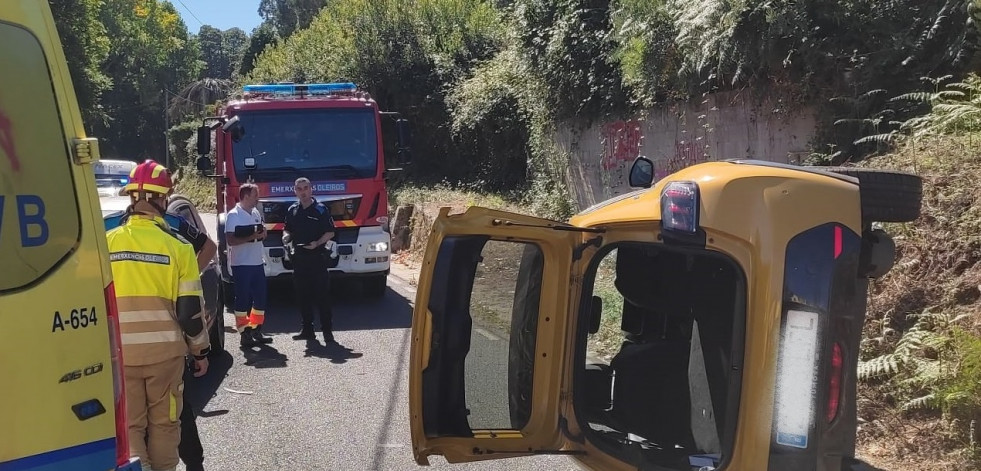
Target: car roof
{"x":113,"y":167}
{"x":112,"y":204}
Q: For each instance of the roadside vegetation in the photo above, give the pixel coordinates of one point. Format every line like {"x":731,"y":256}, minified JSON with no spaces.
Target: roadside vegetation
{"x":486,"y":83}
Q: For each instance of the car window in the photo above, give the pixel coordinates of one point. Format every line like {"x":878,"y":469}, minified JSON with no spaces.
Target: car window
{"x":39,"y":216}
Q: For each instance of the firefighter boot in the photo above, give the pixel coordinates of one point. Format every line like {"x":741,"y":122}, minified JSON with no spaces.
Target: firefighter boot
{"x":306,"y":333}
{"x":248,"y":338}
{"x":259,"y":336}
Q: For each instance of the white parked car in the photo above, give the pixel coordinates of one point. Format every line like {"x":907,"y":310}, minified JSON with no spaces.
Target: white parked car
{"x":112,"y":175}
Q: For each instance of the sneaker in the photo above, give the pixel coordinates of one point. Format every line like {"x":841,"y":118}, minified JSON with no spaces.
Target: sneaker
{"x":248,"y":338}
{"x":305,"y":334}
{"x":259,"y":336}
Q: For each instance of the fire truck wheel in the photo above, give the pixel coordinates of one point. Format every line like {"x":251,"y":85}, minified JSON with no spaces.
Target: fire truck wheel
{"x":376,"y":286}
{"x":886,"y":196}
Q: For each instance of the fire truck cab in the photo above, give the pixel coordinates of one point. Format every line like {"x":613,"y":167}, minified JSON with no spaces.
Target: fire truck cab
{"x":329,"y":133}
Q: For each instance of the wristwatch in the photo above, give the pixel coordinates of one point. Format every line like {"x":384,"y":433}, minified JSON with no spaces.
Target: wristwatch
{"x":204,"y":354}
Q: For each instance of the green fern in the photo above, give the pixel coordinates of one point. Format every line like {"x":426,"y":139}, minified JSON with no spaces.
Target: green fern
{"x":935,"y":365}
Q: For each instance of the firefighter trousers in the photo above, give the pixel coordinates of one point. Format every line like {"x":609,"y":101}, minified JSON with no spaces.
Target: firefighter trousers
{"x":154,"y":401}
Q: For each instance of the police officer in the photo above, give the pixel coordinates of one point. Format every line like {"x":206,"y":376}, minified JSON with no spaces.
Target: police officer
{"x":309,"y":229}
{"x":161,"y":313}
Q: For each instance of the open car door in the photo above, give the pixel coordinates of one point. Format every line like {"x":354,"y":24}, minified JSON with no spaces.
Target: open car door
{"x":489,"y":329}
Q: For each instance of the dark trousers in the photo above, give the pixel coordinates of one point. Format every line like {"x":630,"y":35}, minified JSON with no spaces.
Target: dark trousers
{"x":312,"y":284}
{"x":190,"y":449}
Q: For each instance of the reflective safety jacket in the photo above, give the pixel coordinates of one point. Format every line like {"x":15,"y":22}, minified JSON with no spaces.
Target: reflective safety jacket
{"x":158,"y":292}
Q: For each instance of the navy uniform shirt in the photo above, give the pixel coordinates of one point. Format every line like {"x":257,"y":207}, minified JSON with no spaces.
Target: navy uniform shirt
{"x":308,"y":224}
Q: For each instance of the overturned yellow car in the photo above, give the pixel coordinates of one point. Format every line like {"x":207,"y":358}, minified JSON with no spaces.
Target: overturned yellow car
{"x":711,"y":321}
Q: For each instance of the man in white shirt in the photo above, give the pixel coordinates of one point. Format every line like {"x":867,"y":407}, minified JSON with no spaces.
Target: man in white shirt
{"x":244,"y":232}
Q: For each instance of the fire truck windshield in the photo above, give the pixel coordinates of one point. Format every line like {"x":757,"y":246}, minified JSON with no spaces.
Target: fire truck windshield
{"x":318,"y":144}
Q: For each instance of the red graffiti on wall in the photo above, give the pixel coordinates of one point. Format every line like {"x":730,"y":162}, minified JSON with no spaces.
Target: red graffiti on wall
{"x":686,"y":154}
{"x":7,"y":141}
{"x":621,"y":142}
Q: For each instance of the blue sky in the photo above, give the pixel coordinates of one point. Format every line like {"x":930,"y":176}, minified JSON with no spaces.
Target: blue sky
{"x":222,"y":14}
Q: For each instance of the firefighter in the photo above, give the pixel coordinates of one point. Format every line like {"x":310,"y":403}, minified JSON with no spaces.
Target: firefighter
{"x":244,"y":232}
{"x":309,"y":229}
{"x":190,"y":450}
{"x":161,"y":314}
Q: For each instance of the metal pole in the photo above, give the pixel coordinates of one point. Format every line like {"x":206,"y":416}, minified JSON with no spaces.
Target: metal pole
{"x":166,"y":127}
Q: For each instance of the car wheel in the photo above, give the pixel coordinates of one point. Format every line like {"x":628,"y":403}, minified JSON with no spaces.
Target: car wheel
{"x":218,"y":335}
{"x":228,"y":295}
{"x":886,"y":196}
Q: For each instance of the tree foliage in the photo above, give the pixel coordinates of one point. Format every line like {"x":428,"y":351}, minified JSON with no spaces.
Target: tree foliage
{"x":86,"y":45}
{"x":222,"y":51}
{"x":151,"y":53}
{"x":262,"y":36}
{"x":289,"y":16}
{"x":408,"y":54}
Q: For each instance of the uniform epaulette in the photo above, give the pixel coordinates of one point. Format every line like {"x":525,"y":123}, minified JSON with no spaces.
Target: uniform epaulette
{"x":293,"y":206}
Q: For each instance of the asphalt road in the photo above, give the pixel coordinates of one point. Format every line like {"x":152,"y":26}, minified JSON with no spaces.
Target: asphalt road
{"x":299,"y":405}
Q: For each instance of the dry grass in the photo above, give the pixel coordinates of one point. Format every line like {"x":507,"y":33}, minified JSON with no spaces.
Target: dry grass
{"x":427,"y":202}
{"x":936,"y":269}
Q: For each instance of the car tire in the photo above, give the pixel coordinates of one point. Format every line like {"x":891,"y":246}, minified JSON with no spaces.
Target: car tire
{"x":886,"y":196}
{"x":217,"y":335}
{"x":375,"y":286}
{"x":228,"y":295}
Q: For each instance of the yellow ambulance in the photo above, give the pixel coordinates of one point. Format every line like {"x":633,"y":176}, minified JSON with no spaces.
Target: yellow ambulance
{"x":61,"y":401}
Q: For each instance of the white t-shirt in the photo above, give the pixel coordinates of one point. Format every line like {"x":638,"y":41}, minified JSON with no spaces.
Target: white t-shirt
{"x":249,"y":253}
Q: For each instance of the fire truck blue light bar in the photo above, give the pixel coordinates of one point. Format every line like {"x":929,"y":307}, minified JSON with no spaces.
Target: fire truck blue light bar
{"x":296,"y":89}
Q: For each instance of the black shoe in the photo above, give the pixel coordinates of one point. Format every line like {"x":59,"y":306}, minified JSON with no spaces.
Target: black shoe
{"x":260,"y":337}
{"x":248,"y":338}
{"x":329,"y":338}
{"x":305,"y":334}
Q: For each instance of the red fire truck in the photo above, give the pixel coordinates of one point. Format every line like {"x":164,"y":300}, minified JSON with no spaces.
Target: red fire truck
{"x":327,"y":132}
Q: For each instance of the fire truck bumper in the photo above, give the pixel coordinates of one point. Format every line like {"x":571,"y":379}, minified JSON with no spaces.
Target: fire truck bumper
{"x":368,"y":256}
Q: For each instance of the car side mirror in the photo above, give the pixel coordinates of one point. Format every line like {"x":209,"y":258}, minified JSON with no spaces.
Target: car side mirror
{"x":203,"y":163}
{"x":405,"y":155}
{"x":404,"y":140}
{"x":204,"y":141}
{"x":642,"y":173}
{"x":595,"y":314}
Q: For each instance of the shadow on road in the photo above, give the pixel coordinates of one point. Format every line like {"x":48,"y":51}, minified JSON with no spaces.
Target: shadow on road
{"x":335,"y":352}
{"x":352,"y":311}
{"x":264,"y":356}
{"x":199,"y":391}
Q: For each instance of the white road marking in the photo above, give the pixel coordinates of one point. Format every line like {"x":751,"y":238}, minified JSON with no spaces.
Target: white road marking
{"x":486,"y":334}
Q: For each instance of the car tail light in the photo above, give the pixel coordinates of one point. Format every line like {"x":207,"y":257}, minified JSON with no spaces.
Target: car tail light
{"x":835,"y":385}
{"x":679,"y":207}
{"x":118,"y":383}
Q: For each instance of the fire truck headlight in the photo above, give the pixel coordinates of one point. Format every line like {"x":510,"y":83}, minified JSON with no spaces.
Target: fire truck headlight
{"x":378,"y":247}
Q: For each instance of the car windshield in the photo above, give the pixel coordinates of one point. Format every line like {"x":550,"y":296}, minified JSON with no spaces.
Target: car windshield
{"x":317,"y":144}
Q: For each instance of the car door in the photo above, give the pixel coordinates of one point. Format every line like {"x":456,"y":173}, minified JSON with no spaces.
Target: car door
{"x":490,"y":333}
